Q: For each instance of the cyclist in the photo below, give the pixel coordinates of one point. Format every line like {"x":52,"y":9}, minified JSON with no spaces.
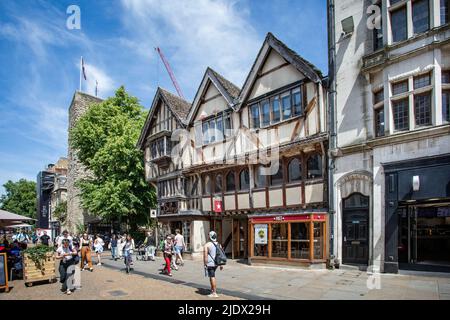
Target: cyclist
{"x":128,"y":251}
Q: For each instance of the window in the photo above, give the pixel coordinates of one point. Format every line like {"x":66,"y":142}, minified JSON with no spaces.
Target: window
{"x":277,"y":178}
{"x":231,"y":183}
{"x":400,"y":87}
{"x":422,"y":81}
{"x":300,"y":240}
{"x":422,"y":109}
{"x":228,"y":126}
{"x":297,"y":100}
{"x":378,"y":37}
{"x":219,"y":129}
{"x":444,"y":12}
{"x":261,"y":250}
{"x":255,"y":116}
{"x":378,"y":96}
{"x":446,"y":106}
{"x":295,"y":170}
{"x":260,"y":177}
{"x":314,"y":167}
{"x":213,"y":130}
{"x":318,"y":239}
{"x":244,"y":180}
{"x":355,"y":201}
{"x":205,"y":133}
{"x":445,"y":77}
{"x":399,"y":24}
{"x":401,"y":114}
{"x":276,"y":116}
{"x":286,"y":104}
{"x":265,"y":111}
{"x":394,"y":2}
{"x":219,"y":183}
{"x":379,"y":122}
{"x":279,"y":240}
{"x":421,"y":15}
{"x":206,"y":185}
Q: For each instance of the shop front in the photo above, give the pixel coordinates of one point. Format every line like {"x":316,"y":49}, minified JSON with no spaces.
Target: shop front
{"x":288,"y":239}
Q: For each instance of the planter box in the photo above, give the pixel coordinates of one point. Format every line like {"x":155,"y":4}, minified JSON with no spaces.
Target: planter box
{"x":31,"y":272}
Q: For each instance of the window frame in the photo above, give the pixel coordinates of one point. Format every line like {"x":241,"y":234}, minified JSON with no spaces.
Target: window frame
{"x":402,"y":7}
{"x":407,"y":127}
{"x":240,"y":188}
{"x":413,"y":4}
{"x":378,"y":124}
{"x":315,"y":154}
{"x":208,"y":135}
{"x":288,"y":169}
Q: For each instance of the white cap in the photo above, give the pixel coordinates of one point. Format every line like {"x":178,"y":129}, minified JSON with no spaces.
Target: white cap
{"x":213,"y":236}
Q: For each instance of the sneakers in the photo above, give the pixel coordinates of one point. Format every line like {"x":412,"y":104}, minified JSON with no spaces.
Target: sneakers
{"x":91,"y":269}
{"x":68,"y":292}
{"x":213,"y":295}
{"x":99,"y":264}
{"x":170,"y":275}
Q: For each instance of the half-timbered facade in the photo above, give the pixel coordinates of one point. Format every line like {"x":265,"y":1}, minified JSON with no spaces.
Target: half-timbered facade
{"x":254,"y":162}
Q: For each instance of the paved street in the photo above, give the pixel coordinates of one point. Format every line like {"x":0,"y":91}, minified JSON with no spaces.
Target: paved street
{"x":237,"y":281}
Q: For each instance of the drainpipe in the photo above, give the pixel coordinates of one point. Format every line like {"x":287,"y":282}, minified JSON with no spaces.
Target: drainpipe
{"x":331,"y":122}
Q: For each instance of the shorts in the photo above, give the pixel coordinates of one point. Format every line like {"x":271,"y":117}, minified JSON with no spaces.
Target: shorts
{"x":99,"y":250}
{"x":211,"y":272}
{"x":178,"y":250}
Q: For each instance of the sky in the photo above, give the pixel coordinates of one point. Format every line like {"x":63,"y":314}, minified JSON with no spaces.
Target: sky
{"x":40,"y":58}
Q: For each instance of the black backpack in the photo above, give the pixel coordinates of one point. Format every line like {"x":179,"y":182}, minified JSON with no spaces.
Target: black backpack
{"x":220,"y":259}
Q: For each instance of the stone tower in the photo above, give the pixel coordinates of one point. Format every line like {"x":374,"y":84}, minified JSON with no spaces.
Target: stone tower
{"x":76,"y":215}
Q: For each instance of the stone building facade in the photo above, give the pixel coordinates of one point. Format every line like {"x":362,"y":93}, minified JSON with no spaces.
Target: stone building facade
{"x":76,"y":215}
{"x":391,"y":162}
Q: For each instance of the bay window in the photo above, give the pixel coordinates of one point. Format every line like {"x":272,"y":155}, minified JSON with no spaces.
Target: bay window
{"x":217,"y":128}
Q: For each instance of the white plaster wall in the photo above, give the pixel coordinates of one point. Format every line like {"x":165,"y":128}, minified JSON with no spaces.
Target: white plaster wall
{"x":259,"y":199}
{"x":276,"y":198}
{"x":243,"y":201}
{"x":293,"y":195}
{"x":200,"y":230}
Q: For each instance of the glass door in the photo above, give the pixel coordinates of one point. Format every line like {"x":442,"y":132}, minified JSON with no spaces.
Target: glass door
{"x":412,"y":226}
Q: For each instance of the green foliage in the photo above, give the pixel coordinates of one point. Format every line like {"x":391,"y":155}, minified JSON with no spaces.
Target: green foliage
{"x":38,"y":254}
{"x":80,"y":228}
{"x":105,"y":138}
{"x":20,"y":198}
{"x":60,"y":212}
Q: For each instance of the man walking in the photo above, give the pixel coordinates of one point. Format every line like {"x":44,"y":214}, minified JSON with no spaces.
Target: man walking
{"x":209,"y":259}
{"x":45,"y":239}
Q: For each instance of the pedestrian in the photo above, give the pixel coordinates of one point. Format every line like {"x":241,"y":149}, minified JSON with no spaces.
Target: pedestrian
{"x":66,"y":253}
{"x":113,"y":246}
{"x":86,"y":252}
{"x":180,"y":246}
{"x":168,"y":248}
{"x":98,"y":247}
{"x":209,"y":258}
{"x":150,"y":247}
{"x":120,"y":245}
{"x":65,"y":236}
{"x":128,"y":249}
{"x":34,"y":238}
{"x":45,"y":239}
{"x":172,"y":258}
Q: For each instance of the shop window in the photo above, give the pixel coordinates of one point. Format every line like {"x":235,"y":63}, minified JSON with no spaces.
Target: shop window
{"x":260,"y":177}
{"x":300,"y":240}
{"x":244,"y":180}
{"x":279,"y":240}
{"x":261,"y":248}
{"x":422,"y":109}
{"x":218,"y":183}
{"x":421,"y":15}
{"x":277,"y":178}
{"x":206,"y":185}
{"x":295,"y":170}
{"x":318,"y":240}
{"x":401,"y":114}
{"x":231,"y":183}
{"x":314,"y":167}
{"x":399,"y":24}
{"x":445,"y":11}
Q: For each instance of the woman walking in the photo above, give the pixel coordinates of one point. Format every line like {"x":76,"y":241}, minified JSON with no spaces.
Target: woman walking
{"x":180,"y":246}
{"x":168,"y":248}
{"x":120,"y":244}
{"x":67,"y":255}
{"x":113,"y":245}
{"x":86,"y":244}
{"x":98,"y":247}
{"x":128,"y":251}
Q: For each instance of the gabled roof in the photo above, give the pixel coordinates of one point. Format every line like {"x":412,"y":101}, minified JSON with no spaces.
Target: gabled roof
{"x":272,"y":43}
{"x":178,"y":106}
{"x":226,"y":88}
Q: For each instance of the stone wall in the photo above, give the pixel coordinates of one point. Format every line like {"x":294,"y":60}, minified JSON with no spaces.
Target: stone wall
{"x":76,"y":215}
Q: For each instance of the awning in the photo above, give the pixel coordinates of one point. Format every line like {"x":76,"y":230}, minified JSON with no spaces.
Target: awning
{"x":9,"y":216}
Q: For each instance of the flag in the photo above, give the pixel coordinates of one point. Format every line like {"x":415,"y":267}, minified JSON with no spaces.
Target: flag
{"x":84,"y":70}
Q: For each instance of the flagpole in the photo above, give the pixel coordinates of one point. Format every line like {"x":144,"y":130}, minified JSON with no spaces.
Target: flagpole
{"x":81,"y":70}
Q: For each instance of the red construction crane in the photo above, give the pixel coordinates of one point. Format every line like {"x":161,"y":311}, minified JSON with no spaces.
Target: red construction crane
{"x":171,"y":74}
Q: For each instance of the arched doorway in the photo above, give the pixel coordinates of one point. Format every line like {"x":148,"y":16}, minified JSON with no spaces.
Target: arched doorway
{"x":355,"y":230}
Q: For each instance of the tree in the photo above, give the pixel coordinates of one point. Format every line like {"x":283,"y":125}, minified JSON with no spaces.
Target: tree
{"x":105,"y":138}
{"x":60,"y":212}
{"x":20,"y":198}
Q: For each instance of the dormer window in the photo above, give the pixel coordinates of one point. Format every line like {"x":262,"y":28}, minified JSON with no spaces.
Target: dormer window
{"x":215,"y":129}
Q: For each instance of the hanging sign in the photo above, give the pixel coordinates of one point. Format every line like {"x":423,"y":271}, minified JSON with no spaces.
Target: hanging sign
{"x":218,"y":208}
{"x":260,"y":233}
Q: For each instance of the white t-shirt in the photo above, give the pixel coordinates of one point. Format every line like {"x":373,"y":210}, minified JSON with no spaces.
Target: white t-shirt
{"x":60,"y":240}
{"x":98,"y":244}
{"x":179,"y":240}
{"x":61,"y":250}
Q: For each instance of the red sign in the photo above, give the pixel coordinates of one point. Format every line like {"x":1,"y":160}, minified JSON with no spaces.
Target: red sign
{"x":218,"y":208}
{"x":290,"y":218}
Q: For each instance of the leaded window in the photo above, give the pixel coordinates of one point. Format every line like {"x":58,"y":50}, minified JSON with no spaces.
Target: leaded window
{"x":446,"y":106}
{"x":297,"y":101}
{"x":314,"y":166}
{"x":295,"y":170}
{"x":378,"y":96}
{"x":379,"y":122}
{"x":265,"y":112}
{"x":421,"y":15}
{"x":276,"y":115}
{"x":422,"y":81}
{"x":255,"y":116}
{"x":277,"y":178}
{"x":401,"y":114}
{"x":231,"y":183}
{"x":244,"y":180}
{"x":422,"y":109}
{"x":445,"y":11}
{"x":399,"y":24}
{"x":400,"y":87}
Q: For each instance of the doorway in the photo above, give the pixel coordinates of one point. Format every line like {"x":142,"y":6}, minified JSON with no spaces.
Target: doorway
{"x":240,"y":245}
{"x":355,"y":230}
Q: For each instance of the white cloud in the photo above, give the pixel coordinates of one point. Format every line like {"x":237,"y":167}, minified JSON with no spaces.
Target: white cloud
{"x":106,"y":85}
{"x":194,"y":35}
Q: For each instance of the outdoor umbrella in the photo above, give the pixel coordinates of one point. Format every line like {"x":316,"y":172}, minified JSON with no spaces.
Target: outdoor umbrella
{"x":9,"y":219}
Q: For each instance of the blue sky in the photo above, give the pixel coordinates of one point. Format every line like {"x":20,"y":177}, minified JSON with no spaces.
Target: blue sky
{"x":39,"y":58}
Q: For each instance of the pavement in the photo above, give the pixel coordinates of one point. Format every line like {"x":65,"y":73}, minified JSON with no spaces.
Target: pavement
{"x":270,"y":282}
{"x":238,"y":281}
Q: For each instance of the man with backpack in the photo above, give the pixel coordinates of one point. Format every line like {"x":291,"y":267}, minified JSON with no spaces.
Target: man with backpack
{"x":213,"y":257}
